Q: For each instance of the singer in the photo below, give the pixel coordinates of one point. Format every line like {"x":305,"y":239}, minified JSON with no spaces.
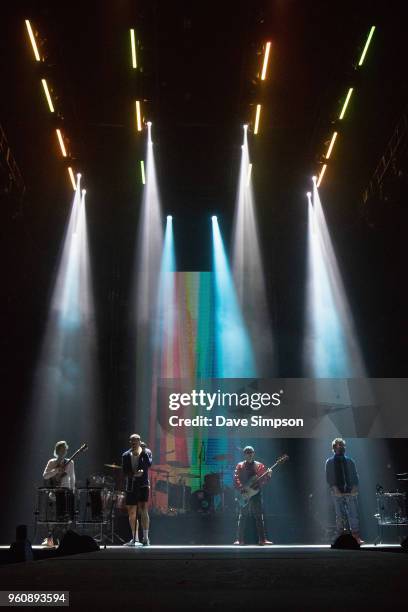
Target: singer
{"x":135,"y":464}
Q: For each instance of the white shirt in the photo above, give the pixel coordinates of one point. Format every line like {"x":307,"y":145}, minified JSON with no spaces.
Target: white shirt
{"x":66,"y":481}
{"x":135,"y":462}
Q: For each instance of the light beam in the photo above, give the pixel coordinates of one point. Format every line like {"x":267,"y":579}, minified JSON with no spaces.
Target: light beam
{"x":133,"y":48}
{"x":364,"y":53}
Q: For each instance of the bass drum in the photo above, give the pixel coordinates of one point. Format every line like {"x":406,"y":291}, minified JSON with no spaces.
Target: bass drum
{"x":200,"y":501}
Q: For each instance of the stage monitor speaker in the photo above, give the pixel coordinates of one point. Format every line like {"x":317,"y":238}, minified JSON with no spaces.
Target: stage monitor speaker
{"x":73,"y":544}
{"x":404,"y":544}
{"x":346,"y":541}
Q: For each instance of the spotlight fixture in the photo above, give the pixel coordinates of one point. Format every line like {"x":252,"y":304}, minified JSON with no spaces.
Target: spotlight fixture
{"x":71,"y":176}
{"x":245,"y":126}
{"x":33,"y":41}
{"x":133,"y":48}
{"x":314,"y":178}
{"x":257,"y":115}
{"x":61,"y":143}
{"x":321,"y":175}
{"x":331,"y":145}
{"x":142,"y":171}
{"x":83,"y":191}
{"x":47,"y":95}
{"x":169,"y":218}
{"x":369,"y":37}
{"x":309,"y":194}
{"x":213,"y":218}
{"x":346,"y":102}
{"x":138,"y":116}
{"x":265,"y":61}
{"x":149,"y":123}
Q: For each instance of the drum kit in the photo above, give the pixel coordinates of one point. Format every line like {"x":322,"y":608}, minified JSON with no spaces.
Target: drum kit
{"x":177,"y":490}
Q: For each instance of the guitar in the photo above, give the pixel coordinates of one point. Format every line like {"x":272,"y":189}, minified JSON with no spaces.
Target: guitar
{"x":56,"y":480}
{"x":248,"y":491}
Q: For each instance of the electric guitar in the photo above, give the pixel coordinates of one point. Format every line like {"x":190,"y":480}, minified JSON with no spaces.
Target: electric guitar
{"x":55,"y":481}
{"x":248,"y":491}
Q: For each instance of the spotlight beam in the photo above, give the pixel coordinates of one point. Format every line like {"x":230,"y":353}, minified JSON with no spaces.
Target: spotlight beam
{"x":142,"y":171}
{"x":61,"y":143}
{"x":364,"y":53}
{"x":33,"y":41}
{"x":346,"y":103}
{"x":249,"y":175}
{"x":265,"y":61}
{"x":138,"y":116}
{"x":133,"y":48}
{"x":47,"y":95}
{"x":257,"y":117}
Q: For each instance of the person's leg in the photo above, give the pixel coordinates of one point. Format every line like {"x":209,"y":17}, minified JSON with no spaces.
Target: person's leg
{"x":242,"y":519}
{"x":145,"y":520}
{"x":352,"y":515}
{"x":257,"y":512}
{"x":133,"y":522}
{"x":340,"y":515}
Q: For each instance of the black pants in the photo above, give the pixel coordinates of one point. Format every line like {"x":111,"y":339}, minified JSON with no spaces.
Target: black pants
{"x":254,"y":508}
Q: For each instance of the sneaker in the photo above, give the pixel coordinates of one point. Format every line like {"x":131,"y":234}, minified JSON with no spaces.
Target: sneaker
{"x":48,"y":543}
{"x":146,"y":542}
{"x":238,"y":543}
{"x":131,"y":543}
{"x":265,"y":543}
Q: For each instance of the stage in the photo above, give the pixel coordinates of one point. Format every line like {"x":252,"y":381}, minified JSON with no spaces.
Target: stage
{"x":215,"y":577}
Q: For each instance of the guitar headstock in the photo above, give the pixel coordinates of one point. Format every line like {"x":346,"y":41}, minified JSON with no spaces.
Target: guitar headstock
{"x":282,"y":458}
{"x":83,"y":447}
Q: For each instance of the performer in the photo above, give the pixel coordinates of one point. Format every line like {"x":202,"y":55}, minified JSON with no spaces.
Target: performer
{"x":342,"y":478}
{"x":59,"y":473}
{"x":135,"y":463}
{"x":243,"y":472}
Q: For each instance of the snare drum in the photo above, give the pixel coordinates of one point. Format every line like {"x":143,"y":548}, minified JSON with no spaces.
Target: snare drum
{"x":55,"y":505}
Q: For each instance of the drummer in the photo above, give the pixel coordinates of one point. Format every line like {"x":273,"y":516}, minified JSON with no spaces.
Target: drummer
{"x":59,"y":473}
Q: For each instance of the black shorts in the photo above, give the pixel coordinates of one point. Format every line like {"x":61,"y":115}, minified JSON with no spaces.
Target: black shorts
{"x":139,"y":494}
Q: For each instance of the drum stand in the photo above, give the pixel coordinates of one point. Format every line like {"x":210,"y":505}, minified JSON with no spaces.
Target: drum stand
{"x":111,"y":521}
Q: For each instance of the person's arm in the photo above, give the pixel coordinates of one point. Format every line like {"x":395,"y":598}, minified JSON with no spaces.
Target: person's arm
{"x":51,"y":470}
{"x":261,"y":469}
{"x":331,"y":478}
{"x":353,"y":477}
{"x":148,"y":456}
{"x":237,"y":480}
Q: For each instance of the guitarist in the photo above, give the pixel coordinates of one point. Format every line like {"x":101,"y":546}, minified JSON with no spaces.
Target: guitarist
{"x":244,"y":471}
{"x":59,"y":473}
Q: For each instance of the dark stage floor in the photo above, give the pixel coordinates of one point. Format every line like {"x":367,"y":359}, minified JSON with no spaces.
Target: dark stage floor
{"x":222,"y":577}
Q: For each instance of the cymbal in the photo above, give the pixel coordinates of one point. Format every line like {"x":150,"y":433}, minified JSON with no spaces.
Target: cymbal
{"x":402,"y":474}
{"x":223,"y":457}
{"x":114,"y":466}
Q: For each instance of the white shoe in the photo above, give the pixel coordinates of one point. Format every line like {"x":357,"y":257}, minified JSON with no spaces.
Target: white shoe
{"x":132,"y":542}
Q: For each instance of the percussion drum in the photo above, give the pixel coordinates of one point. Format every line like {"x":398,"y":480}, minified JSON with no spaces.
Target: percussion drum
{"x":90,"y":505}
{"x":212,"y":483}
{"x":392,"y":508}
{"x":200,"y":501}
{"x":55,"y":505}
